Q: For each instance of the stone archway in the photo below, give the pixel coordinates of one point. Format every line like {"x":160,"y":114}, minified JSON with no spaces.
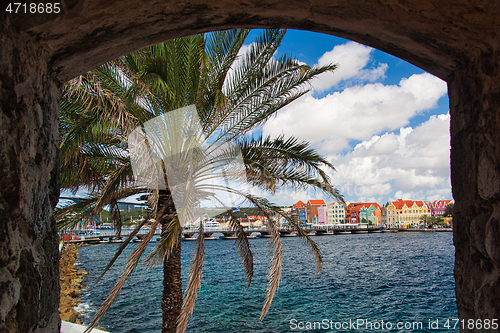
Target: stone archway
{"x":458,"y":41}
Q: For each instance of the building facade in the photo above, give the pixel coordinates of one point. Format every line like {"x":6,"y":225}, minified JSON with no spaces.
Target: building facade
{"x":298,"y":212}
{"x":335,"y":213}
{"x":368,"y":213}
{"x":322,"y":215}
{"x":312,"y":212}
{"x":406,"y":213}
{"x":438,"y":207}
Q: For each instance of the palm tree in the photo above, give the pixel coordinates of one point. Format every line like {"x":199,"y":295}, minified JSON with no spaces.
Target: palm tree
{"x":232,"y":94}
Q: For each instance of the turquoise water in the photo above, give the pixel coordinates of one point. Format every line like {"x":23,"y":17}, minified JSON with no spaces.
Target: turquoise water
{"x":397,"y":279}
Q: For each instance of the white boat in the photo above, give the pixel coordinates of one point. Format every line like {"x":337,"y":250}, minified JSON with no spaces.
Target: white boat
{"x":207,"y":225}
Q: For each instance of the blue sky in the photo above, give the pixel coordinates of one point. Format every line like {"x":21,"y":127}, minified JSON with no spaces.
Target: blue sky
{"x":381,"y":121}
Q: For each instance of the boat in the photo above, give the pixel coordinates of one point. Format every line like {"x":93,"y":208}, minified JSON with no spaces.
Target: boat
{"x":344,"y":232}
{"x":211,"y":224}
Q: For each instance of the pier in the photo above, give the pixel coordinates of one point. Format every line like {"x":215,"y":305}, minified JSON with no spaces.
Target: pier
{"x":110,"y":236}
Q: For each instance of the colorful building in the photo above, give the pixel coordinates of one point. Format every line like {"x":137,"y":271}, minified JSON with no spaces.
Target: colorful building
{"x":299,"y":212}
{"x":405,"y":213}
{"x":312,"y":212}
{"x":322,"y":215}
{"x":367,"y":212}
{"x":370,"y":213}
{"x":335,"y":213}
{"x":438,"y":207}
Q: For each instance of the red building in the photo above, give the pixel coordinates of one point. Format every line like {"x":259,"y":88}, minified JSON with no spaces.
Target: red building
{"x":313,"y":215}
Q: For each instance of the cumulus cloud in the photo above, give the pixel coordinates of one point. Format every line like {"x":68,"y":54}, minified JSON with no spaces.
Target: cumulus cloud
{"x":414,"y":164}
{"x":351,"y":59}
{"x":390,"y":159}
{"x":357,"y":113}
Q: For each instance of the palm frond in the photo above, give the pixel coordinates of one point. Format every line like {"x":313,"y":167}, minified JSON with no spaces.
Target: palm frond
{"x":121,"y":248}
{"x":132,"y":263}
{"x":194,"y":282}
{"x":243,"y":247}
{"x":233,"y":93}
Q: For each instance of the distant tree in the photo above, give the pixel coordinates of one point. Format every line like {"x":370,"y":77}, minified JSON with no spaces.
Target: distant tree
{"x":440,"y":221}
{"x":428,"y":220}
{"x":448,"y":212}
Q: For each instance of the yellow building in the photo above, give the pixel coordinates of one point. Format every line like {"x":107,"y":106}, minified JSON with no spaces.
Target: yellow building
{"x":406,"y":213}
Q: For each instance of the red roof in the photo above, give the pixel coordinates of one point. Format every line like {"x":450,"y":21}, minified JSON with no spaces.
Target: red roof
{"x":317,"y":202}
{"x":367,"y":205}
{"x":439,"y":203}
{"x":409,"y":203}
{"x":398,"y":204}
{"x":299,"y":204}
{"x":336,"y":202}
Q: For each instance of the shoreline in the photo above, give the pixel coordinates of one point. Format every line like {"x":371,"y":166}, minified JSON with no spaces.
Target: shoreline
{"x":71,"y":280}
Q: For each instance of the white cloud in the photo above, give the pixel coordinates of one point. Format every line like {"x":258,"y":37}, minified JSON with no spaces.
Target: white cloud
{"x":414,"y":164}
{"x":351,"y":59}
{"x":357,"y":113}
{"x":391,"y":159}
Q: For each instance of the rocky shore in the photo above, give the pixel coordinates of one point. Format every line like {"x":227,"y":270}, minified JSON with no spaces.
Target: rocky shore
{"x":71,"y":284}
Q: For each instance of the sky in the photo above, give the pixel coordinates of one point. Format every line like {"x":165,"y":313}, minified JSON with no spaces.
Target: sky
{"x":382,"y":122}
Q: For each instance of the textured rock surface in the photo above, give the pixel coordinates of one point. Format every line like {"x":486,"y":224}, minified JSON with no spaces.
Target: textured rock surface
{"x":437,"y":35}
{"x":457,"y":40}
{"x":71,"y":284}
{"x":475,"y":161}
{"x":29,"y":279}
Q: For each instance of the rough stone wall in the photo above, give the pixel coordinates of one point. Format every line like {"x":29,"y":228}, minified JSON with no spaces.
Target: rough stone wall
{"x":475,"y":164}
{"x":431,"y":34}
{"x":29,"y":187}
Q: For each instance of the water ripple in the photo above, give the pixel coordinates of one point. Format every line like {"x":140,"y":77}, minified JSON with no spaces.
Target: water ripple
{"x":390,"y":277}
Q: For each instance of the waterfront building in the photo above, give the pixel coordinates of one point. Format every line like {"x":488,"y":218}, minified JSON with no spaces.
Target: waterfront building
{"x":282,"y":221}
{"x":322,"y":215}
{"x":352,"y":213}
{"x":298,"y":212}
{"x":371,"y":212}
{"x":383,"y":216}
{"x":438,"y":207}
{"x":312,"y":213}
{"x":368,"y":212}
{"x":335,"y":213}
{"x":406,"y":213}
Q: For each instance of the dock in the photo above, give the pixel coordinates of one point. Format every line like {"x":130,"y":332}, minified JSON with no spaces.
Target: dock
{"x":251,"y":233}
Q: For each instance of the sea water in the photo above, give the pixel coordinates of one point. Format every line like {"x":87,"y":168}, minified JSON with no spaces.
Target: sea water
{"x":385,"y":282}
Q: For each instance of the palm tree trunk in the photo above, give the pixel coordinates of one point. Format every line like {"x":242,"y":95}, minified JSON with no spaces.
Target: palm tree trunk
{"x":171,"y":302}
